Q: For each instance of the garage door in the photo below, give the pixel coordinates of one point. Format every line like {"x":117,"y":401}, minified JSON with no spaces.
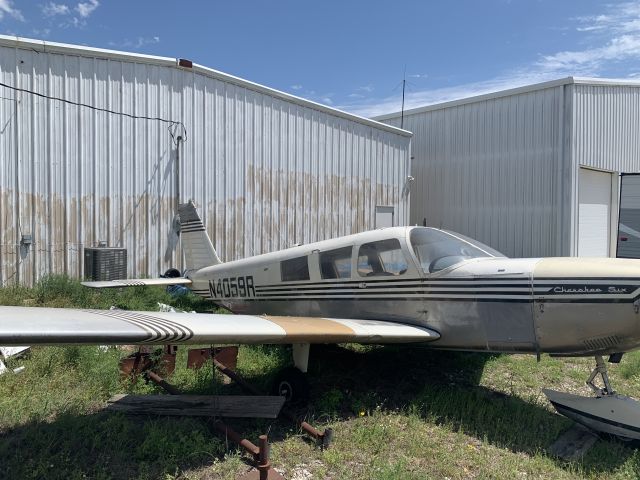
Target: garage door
{"x":629,"y":218}
{"x":594,"y":210}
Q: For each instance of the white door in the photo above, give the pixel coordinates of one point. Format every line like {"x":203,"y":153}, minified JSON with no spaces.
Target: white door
{"x":384,"y":216}
{"x":594,"y":213}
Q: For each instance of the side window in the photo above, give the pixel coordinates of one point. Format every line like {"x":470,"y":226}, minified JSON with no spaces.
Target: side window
{"x":336,"y":263}
{"x":381,"y":258}
{"x":294,"y":269}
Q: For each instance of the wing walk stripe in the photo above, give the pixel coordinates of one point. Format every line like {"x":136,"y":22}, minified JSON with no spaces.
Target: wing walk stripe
{"x":179,"y":329}
{"x":162,"y":329}
{"x":151,"y":332}
{"x":161,"y":333}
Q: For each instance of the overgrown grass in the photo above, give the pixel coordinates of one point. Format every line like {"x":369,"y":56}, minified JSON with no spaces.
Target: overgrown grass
{"x":61,"y":291}
{"x":398,"y":412}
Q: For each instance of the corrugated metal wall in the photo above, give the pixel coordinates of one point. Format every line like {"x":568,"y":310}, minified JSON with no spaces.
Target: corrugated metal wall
{"x":265,"y":172}
{"x":606,"y":127}
{"x":605,"y":135}
{"x":493,"y":170}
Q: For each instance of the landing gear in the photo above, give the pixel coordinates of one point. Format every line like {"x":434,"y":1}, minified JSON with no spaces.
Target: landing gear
{"x":601,"y":369}
{"x":607,"y":413}
{"x":292,"y":384}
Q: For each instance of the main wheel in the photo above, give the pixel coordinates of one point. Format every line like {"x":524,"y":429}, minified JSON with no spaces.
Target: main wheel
{"x":292,"y":384}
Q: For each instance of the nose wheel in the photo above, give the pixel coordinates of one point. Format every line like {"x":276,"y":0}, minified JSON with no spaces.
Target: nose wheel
{"x":601,"y":369}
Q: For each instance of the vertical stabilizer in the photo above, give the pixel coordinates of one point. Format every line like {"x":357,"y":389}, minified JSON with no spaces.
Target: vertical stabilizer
{"x":196,"y":244}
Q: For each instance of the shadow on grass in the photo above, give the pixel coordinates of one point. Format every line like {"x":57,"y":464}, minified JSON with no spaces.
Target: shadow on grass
{"x":438,"y":386}
{"x":104,"y":445}
{"x":80,"y":442}
{"x":444,"y":387}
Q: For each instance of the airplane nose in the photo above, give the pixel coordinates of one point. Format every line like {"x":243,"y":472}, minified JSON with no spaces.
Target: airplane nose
{"x":588,"y":268}
{"x":587,"y":305}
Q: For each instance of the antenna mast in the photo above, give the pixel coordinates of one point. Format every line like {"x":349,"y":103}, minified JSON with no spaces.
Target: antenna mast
{"x":404,"y":83}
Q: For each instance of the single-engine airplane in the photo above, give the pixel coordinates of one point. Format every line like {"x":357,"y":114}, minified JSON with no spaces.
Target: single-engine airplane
{"x":392,"y":285}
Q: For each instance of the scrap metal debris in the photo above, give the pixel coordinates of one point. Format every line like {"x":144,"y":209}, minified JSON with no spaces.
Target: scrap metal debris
{"x":8,"y":352}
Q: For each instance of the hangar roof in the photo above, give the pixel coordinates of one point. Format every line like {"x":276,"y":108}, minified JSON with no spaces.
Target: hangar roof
{"x":62,"y":48}
{"x":514,"y":91}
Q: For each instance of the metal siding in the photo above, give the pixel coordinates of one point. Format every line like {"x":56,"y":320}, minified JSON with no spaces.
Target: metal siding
{"x":604,"y":134}
{"x":606,"y":126}
{"x":490,"y":170}
{"x":265,"y":172}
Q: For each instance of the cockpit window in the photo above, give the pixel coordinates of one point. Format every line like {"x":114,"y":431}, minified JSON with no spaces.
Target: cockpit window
{"x":336,"y":263}
{"x":437,"y":250}
{"x":294,"y":269}
{"x":381,"y":258}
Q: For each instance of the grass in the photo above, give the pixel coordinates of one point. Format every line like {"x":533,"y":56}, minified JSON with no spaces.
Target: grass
{"x":398,"y":412}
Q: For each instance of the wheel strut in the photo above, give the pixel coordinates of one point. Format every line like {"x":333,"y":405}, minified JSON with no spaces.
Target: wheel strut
{"x":601,"y":369}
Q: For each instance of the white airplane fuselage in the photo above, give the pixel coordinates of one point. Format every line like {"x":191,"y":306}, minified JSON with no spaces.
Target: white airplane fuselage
{"x":475,"y":300}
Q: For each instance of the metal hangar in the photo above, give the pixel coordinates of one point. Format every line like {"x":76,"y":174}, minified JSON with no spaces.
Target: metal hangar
{"x":99,"y":146}
{"x":532,"y":171}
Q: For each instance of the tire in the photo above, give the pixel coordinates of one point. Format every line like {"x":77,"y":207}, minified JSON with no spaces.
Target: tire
{"x":292,"y":384}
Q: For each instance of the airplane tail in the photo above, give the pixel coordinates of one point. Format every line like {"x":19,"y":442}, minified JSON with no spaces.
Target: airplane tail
{"x":196,"y":244}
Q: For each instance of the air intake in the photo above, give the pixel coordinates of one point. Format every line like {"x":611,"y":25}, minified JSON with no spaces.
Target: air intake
{"x":602,"y":343}
{"x":105,"y":263}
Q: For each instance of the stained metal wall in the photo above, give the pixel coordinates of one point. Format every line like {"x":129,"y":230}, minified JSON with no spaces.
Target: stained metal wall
{"x":494,"y":169}
{"x":265,"y":169}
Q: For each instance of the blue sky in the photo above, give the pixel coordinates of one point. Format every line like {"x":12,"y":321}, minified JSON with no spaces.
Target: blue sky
{"x":353,"y":54}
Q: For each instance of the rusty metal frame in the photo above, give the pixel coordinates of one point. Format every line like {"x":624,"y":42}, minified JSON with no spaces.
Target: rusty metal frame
{"x":143,"y":362}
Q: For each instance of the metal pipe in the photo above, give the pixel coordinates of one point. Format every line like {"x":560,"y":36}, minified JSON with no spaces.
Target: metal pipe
{"x":179,"y":141}
{"x":263,"y":458}
{"x":158,"y":380}
{"x":323,"y":437}
{"x":235,"y":377}
{"x":235,"y":437}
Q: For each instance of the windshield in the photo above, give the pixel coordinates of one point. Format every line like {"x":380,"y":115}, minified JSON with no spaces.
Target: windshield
{"x":437,"y":250}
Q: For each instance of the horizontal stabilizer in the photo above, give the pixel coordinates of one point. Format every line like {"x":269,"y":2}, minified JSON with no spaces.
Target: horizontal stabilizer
{"x":138,"y":282}
{"x":61,"y":326}
{"x":196,"y":244}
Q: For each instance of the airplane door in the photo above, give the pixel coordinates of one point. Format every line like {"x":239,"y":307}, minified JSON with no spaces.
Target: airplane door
{"x":509,"y":323}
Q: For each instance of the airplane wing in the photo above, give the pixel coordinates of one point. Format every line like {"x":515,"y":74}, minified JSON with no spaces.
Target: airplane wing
{"x":137,"y":282}
{"x":59,"y":326}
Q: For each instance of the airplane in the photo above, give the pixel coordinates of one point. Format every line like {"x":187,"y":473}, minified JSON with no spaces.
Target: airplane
{"x":392,"y":285}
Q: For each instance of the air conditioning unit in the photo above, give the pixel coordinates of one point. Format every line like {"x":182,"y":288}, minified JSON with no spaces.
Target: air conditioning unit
{"x":105,"y":263}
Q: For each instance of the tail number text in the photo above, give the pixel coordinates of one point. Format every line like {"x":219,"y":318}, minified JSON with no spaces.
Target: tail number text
{"x":233,"y":287}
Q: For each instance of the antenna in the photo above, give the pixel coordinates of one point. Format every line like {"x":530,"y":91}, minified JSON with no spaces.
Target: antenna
{"x":404,"y":84}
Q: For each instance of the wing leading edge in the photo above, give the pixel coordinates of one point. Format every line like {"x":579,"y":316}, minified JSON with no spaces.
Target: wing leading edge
{"x":62,"y":326}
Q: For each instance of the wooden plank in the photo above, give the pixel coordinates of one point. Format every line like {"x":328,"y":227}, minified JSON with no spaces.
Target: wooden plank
{"x":573,"y":443}
{"x":239,"y":406}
